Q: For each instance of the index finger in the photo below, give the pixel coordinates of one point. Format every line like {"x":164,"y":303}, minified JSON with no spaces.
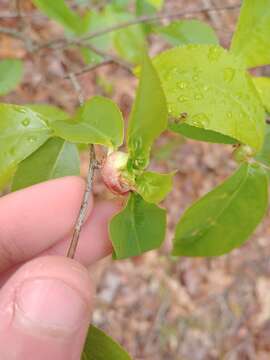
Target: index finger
{"x":34,"y":219}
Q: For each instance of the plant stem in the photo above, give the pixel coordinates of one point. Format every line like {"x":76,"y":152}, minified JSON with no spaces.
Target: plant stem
{"x":84,"y":206}
{"x":93,"y":165}
{"x":63,"y":43}
{"x":90,"y":68}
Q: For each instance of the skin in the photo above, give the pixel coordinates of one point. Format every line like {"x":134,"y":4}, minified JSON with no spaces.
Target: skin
{"x":46,"y":300}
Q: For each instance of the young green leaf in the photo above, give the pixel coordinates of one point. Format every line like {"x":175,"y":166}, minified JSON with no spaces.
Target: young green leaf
{"x":50,"y":112}
{"x":98,"y":121}
{"x":182,"y":32}
{"x":22,"y":131}
{"x":154,"y":187}
{"x":225,"y":217}
{"x":148,"y":7}
{"x":138,"y":228}
{"x":262,"y":85}
{"x":130,"y":43}
{"x":251,"y":39}
{"x":56,"y":158}
{"x":100,"y":346}
{"x":148,"y":118}
{"x":200,"y":134}
{"x":212,"y":88}
{"x":11,"y":73}
{"x":59,"y":11}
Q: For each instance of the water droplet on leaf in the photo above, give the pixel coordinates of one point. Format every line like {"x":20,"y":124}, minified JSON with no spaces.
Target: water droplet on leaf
{"x":31,"y":139}
{"x":182,"y":84}
{"x":214,"y":53}
{"x":198,"y":97}
{"x":200,"y":120}
{"x":25,"y":122}
{"x":182,"y":98}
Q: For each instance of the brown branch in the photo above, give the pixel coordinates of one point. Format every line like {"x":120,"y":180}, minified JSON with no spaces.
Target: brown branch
{"x":63,"y":43}
{"x":20,"y":35}
{"x":84,"y":206}
{"x":108,"y":56}
{"x":90,"y":68}
{"x":77,"y":87}
{"x":12,"y":33}
{"x":89,"y":183}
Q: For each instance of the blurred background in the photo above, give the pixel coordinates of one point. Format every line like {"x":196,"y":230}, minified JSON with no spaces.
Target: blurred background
{"x":156,"y":306}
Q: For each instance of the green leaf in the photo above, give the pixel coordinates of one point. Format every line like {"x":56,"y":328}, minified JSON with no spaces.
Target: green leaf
{"x":262,"y":85}
{"x":199,"y":134}
{"x":225,"y":217}
{"x":130,"y":43}
{"x":157,"y":4}
{"x":138,"y":228}
{"x":100,"y":346}
{"x":251,"y":40}
{"x":264,"y":154}
{"x":154,"y":187}
{"x":145,"y":8}
{"x":56,"y":158}
{"x":148,"y":7}
{"x":98,"y":121}
{"x":50,"y":112}
{"x":212,"y":88}
{"x":182,"y":32}
{"x":59,"y":11}
{"x":148,"y":118}
{"x":11,"y":73}
{"x":22,"y":131}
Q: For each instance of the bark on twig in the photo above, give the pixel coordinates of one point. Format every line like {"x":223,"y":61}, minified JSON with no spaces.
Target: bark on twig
{"x":84,"y":206}
{"x":93,"y":165}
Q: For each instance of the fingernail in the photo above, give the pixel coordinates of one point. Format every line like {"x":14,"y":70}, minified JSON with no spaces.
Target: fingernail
{"x":49,"y":306}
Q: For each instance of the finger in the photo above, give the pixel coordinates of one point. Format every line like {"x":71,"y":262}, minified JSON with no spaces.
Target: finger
{"x":33,"y":219}
{"x":94,"y":241}
{"x":45,"y":310}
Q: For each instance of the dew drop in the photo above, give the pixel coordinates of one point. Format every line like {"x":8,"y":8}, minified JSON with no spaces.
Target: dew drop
{"x":182,"y":98}
{"x":198,"y":97}
{"x":229,"y":114}
{"x":25,"y":122}
{"x":214,"y":53}
{"x":31,"y":139}
{"x":182,"y":84}
{"x":195,"y":77}
{"x":200,"y":120}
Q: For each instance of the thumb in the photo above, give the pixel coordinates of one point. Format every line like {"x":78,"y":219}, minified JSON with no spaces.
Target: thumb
{"x":45,"y":310}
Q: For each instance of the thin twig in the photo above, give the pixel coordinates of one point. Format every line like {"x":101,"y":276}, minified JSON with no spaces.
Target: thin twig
{"x":63,"y":43}
{"x":20,"y":35}
{"x":12,"y":33}
{"x":84,"y":206}
{"x":93,"y":165}
{"x":90,"y":68}
{"x":111,"y":57}
{"x":77,"y":87}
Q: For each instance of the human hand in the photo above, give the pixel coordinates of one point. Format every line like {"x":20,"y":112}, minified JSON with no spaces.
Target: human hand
{"x":46,"y":303}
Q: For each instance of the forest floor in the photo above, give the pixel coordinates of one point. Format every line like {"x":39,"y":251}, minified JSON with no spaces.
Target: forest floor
{"x":157,"y":306}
